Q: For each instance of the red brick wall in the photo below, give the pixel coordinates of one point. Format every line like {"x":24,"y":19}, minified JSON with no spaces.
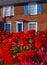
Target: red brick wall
{"x":19,"y":14}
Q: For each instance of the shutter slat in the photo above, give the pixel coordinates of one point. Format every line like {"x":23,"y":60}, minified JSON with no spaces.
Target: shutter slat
{"x":25,"y":9}
{"x":39,"y":8}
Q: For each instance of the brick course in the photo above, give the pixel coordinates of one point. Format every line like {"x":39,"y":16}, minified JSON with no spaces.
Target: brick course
{"x":19,"y":14}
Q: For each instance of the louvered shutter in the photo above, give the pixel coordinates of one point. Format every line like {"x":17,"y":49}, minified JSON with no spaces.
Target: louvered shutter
{"x":25,"y":9}
{"x":39,"y":8}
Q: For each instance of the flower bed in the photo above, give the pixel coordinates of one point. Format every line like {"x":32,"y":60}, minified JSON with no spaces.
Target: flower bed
{"x":29,"y":48}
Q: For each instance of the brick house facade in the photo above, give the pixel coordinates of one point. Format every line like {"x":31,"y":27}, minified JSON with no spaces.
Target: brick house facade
{"x":23,"y":16}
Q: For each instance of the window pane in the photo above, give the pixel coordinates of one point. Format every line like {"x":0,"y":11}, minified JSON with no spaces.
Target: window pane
{"x":7,"y":27}
{"x":8,"y":11}
{"x":32,"y":26}
{"x":12,"y":11}
{"x":32,"y":9}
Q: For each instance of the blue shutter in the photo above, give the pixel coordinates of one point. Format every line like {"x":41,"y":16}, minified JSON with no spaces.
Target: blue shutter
{"x":39,"y":8}
{"x":25,"y":9}
{"x":19,"y":27}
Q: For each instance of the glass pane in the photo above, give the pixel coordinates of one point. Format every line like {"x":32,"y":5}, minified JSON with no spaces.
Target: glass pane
{"x":8,"y":11}
{"x":7,"y":27}
{"x":12,"y":11}
{"x":32,"y":9}
{"x":32,"y":26}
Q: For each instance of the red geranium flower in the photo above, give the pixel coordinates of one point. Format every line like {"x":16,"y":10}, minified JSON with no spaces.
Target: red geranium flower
{"x":38,"y":44}
{"x":1,"y":51}
{"x":20,"y":57}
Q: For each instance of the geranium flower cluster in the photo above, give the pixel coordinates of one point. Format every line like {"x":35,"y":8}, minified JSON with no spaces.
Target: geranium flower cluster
{"x":23,"y":48}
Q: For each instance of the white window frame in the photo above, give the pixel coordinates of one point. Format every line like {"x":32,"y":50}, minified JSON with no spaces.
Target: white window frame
{"x":30,"y":13}
{"x":4,"y":10}
{"x":32,"y":23}
{"x":17,"y":22}
{"x":8,"y":23}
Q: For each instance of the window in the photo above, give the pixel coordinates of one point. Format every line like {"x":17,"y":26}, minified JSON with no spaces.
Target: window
{"x":32,"y":26}
{"x":8,"y":11}
{"x":19,"y":26}
{"x":7,"y":27}
{"x":33,"y":9}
